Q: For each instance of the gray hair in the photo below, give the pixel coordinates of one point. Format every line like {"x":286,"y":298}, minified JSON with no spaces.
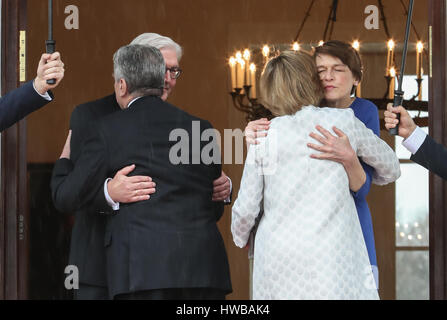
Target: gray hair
{"x":142,"y":67}
{"x":159,"y":42}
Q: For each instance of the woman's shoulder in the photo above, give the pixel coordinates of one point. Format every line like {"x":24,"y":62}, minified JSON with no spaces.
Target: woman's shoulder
{"x":364,"y":105}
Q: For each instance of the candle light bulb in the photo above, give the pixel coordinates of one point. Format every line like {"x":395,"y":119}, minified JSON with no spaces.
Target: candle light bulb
{"x":238,"y":55}
{"x":247,"y":54}
{"x":252,"y":67}
{"x":266,"y":51}
{"x":232,"y":61}
{"x":296,"y":46}
{"x":320,"y":43}
{"x":393,"y":72}
{"x":420,"y":46}
{"x":391,"y":44}
{"x":356,"y":45}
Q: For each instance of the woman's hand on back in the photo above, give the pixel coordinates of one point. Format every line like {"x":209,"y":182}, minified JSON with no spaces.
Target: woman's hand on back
{"x":339,"y":149}
{"x":335,"y":148}
{"x":256,"y":129}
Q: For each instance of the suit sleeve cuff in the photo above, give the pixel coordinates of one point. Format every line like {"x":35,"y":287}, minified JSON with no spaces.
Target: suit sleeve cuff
{"x":415,"y":140}
{"x":46,"y":96}
{"x":114,"y":205}
{"x":228,"y":199}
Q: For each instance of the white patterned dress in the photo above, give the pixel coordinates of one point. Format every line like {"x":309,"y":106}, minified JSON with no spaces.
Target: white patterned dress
{"x":309,"y":243}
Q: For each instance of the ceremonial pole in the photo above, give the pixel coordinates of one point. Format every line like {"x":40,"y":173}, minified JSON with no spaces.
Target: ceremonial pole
{"x":399,"y":94}
{"x":50,"y":43}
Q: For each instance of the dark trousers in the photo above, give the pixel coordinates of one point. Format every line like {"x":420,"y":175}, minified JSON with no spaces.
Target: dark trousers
{"x":88,"y":292}
{"x":175,"y":294}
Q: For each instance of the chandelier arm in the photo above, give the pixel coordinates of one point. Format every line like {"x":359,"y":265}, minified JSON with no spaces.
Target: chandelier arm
{"x":385,"y":23}
{"x":307,"y":15}
{"x":331,"y":30}
{"x":328,"y":22}
{"x":334,"y":18}
{"x":240,"y":104}
{"x":412,"y":24}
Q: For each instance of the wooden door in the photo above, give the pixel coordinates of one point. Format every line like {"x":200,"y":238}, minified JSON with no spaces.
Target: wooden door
{"x":13,"y":210}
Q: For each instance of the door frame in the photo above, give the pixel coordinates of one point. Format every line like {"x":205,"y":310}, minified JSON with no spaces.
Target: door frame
{"x":437,"y":127}
{"x":13,"y":210}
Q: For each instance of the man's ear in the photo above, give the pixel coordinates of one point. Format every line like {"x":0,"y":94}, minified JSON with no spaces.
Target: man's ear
{"x":122,"y":87}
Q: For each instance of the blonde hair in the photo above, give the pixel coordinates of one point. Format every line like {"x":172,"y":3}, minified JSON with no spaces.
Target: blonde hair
{"x":289,"y":82}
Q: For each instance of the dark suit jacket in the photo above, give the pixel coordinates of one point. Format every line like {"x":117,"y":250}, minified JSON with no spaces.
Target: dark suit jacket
{"x":87,"y":250}
{"x":172,"y":240}
{"x":18,"y":103}
{"x":432,"y":156}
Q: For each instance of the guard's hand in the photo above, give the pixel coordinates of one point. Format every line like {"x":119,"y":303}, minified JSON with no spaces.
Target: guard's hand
{"x":221,"y":188}
{"x":256,"y":129}
{"x":124,"y":189}
{"x":406,"y":123}
{"x":50,"y":67}
{"x":66,"y":151}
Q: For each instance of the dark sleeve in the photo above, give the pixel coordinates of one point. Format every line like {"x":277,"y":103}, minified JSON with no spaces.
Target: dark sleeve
{"x":432,"y":156}
{"x":75,"y":185}
{"x":18,"y":103}
{"x":373,"y":123}
{"x":215,"y":169}
{"x":364,"y":190}
{"x":81,"y":125}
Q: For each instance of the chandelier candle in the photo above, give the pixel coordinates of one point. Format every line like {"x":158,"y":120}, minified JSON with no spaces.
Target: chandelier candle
{"x":253,"y":81}
{"x":247,"y":67}
{"x":392,"y":83}
{"x":358,"y":90}
{"x":266,"y":53}
{"x":420,"y":49}
{"x":233,"y":72}
{"x":240,"y":73}
{"x":390,"y":57}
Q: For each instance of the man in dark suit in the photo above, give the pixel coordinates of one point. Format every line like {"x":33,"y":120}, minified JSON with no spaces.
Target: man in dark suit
{"x":33,"y":95}
{"x":87,"y":250}
{"x":168,"y":247}
{"x":425,"y":151}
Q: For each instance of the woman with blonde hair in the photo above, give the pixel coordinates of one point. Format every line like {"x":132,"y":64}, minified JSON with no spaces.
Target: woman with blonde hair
{"x":340,"y":70}
{"x":309,"y":243}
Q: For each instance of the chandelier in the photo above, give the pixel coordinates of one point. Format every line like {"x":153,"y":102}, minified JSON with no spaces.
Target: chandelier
{"x":245,"y":66}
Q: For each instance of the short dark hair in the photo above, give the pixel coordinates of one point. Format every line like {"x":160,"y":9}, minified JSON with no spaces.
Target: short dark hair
{"x":346,"y":53}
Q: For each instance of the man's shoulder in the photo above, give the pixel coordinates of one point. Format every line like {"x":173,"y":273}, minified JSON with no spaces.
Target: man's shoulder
{"x":98,"y":107}
{"x":180,"y":114}
{"x":188,"y":116}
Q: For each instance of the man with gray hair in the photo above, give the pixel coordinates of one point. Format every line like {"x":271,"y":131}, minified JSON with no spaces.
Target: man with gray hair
{"x":172,"y":53}
{"x":168,"y":247}
{"x":87,"y":241}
